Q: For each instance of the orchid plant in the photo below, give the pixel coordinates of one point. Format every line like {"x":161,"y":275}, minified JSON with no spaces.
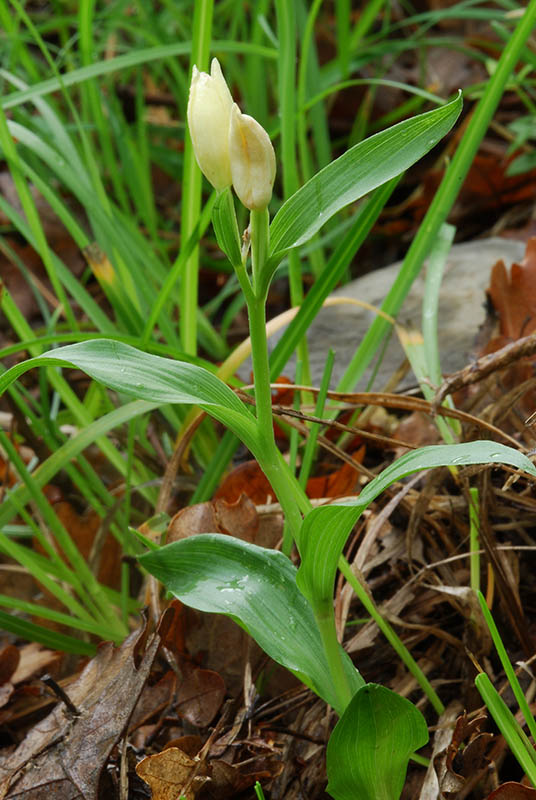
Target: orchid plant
{"x":288,"y":611}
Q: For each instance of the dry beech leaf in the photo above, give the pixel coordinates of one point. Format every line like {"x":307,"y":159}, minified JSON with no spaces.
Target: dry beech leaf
{"x":153,"y":700}
{"x":66,"y":755}
{"x":237,"y":518}
{"x":226,"y":781}
{"x":451,"y":764}
{"x":200,"y":696}
{"x":417,"y":429}
{"x":168,"y":772}
{"x":190,"y":744}
{"x":512,"y":791}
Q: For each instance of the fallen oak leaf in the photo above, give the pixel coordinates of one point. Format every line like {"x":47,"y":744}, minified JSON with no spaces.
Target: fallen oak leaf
{"x":514,"y":299}
{"x":66,"y":753}
{"x":514,"y":296}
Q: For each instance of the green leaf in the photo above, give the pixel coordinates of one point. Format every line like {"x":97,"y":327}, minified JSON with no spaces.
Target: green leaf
{"x":226,"y":227}
{"x":325,"y":529}
{"x":257,"y":588}
{"x":510,"y":728}
{"x":149,"y":377}
{"x":36,"y":633}
{"x":361,"y":169}
{"x":369,"y":749}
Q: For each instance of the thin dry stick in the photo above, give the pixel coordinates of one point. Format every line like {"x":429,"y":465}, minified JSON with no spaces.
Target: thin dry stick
{"x":485,"y":365}
{"x":405,"y":403}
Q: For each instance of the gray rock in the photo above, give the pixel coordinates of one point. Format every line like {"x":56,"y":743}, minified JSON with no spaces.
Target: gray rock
{"x":461,"y":312}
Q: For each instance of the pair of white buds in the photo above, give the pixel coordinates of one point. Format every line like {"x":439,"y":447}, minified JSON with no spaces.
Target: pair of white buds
{"x":230,"y":147}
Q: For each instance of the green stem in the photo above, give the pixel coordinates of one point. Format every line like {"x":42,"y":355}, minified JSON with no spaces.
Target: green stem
{"x":283,"y":482}
{"x":333,"y":651}
{"x":270,"y":459}
{"x":474,"y":539}
{"x":260,"y":239}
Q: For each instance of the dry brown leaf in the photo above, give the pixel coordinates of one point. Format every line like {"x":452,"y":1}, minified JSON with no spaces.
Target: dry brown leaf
{"x":337,"y":483}
{"x":249,"y":479}
{"x":246,"y":479}
{"x":514,"y":299}
{"x":153,"y":700}
{"x":168,"y":772}
{"x":442,"y":739}
{"x":9,"y":661}
{"x":18,"y":664}
{"x":454,"y":765}
{"x":514,"y":296}
{"x":175,"y":637}
{"x":467,"y":761}
{"x":34,"y":658}
{"x":226,"y":781}
{"x":82,"y":529}
{"x":190,"y":744}
{"x":237,"y":518}
{"x":63,"y":749}
{"x":417,"y":429}
{"x":512,"y":791}
{"x":200,"y":696}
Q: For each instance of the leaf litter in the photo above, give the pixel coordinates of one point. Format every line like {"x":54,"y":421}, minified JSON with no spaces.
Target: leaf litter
{"x":66,"y":752}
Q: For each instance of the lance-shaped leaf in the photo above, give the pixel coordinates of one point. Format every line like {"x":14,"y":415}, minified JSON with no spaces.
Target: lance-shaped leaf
{"x":369,"y":749}
{"x":358,"y":171}
{"x":257,"y":588}
{"x":148,"y":377}
{"x":325,"y":530}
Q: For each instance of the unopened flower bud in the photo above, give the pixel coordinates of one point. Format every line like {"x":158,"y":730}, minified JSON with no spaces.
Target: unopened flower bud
{"x":209,"y":118}
{"x":252,"y":160}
